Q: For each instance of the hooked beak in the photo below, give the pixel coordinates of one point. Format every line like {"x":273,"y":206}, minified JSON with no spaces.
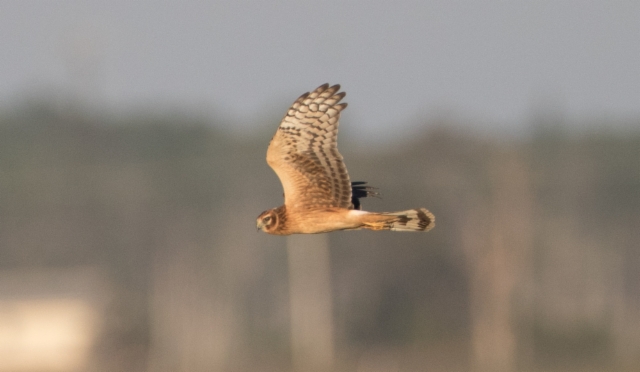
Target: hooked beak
{"x":259,"y":226}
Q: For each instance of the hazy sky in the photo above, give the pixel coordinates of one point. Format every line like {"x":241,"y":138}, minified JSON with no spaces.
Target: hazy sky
{"x":490,"y":62}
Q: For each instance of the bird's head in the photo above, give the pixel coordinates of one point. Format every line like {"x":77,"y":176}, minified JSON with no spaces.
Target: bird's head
{"x":267,"y":221}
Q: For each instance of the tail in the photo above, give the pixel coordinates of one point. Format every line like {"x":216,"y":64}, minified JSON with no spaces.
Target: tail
{"x":411,"y":220}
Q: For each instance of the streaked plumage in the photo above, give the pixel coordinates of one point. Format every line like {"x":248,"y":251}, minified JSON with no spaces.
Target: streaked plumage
{"x":318,"y":195}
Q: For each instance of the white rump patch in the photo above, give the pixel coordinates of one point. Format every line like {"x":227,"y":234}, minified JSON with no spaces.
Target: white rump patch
{"x":355,"y":212}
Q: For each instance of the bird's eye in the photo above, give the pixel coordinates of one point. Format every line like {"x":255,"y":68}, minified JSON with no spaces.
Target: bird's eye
{"x":267,"y":219}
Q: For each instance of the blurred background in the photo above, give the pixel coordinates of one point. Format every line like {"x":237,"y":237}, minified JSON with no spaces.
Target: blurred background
{"x":132,"y":167}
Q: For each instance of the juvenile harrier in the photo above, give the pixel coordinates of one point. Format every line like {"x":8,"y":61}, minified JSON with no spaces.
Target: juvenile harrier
{"x":318,"y":195}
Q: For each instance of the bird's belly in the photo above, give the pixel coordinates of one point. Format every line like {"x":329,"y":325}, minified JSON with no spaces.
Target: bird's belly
{"x":324,"y":221}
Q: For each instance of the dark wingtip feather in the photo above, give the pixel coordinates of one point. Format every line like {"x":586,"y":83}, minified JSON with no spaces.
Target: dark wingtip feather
{"x":360,"y":190}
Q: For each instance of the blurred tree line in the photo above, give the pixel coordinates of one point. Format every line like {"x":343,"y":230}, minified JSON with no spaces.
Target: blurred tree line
{"x":533,"y":264}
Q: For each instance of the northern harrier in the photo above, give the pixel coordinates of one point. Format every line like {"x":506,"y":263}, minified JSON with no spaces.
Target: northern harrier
{"x":318,"y":195}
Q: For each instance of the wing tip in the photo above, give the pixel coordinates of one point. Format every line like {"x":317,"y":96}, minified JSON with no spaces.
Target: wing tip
{"x":327,"y":87}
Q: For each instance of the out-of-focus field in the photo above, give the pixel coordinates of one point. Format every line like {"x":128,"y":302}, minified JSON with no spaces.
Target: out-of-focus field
{"x":128,"y":244}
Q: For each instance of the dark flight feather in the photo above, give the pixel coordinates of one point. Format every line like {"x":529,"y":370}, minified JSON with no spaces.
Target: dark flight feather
{"x":360,"y":190}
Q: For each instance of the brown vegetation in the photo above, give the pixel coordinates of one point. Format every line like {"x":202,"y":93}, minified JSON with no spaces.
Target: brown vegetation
{"x":533,"y":265}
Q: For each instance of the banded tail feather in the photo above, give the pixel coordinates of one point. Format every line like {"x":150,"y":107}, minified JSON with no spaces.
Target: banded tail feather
{"x":413,"y":220}
{"x":418,"y":219}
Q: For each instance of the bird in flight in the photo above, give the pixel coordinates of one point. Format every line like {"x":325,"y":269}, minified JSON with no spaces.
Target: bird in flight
{"x":318,"y":194}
